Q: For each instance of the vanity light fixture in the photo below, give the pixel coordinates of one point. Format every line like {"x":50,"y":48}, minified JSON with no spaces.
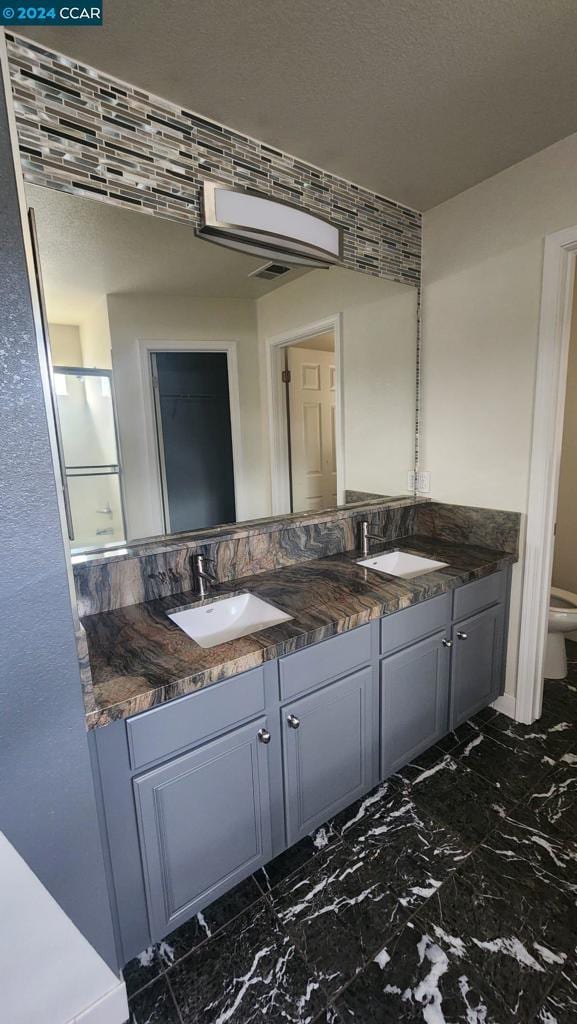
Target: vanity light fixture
{"x":261,"y":226}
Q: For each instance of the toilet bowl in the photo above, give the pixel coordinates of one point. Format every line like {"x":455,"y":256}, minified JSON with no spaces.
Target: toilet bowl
{"x":562,"y":620}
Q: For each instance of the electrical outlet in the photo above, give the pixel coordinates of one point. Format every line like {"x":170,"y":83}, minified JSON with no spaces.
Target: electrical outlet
{"x":420,"y":481}
{"x":423,"y":481}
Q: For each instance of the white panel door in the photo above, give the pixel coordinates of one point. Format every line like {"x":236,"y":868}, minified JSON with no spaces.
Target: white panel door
{"x":312,"y":391}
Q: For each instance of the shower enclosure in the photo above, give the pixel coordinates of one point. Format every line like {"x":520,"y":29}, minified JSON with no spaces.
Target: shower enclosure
{"x":90,"y":450}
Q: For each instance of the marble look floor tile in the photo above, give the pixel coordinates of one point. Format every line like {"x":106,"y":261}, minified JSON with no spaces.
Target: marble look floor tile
{"x":454,"y":795}
{"x":486,"y":715}
{"x":411,"y":848}
{"x":540,"y":909}
{"x":559,"y":699}
{"x":339,"y":911}
{"x":342,"y":906}
{"x":462,"y":734}
{"x":329,"y":1016}
{"x":468,"y":730}
{"x":154,"y":1005}
{"x":422,"y":975}
{"x":291,"y":860}
{"x":551,"y":735}
{"x":524,"y":856}
{"x":250,"y":972}
{"x":554,"y":802}
{"x":515,"y":957}
{"x":354,"y":820}
{"x":504,"y":761}
{"x":157,"y":958}
{"x":560,"y":1007}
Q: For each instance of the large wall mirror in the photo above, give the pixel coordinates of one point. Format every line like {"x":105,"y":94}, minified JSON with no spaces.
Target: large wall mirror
{"x":196,"y":389}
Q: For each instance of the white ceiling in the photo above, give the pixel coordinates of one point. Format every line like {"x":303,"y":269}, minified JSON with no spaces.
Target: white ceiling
{"x":89,"y":249}
{"x":416,"y":99}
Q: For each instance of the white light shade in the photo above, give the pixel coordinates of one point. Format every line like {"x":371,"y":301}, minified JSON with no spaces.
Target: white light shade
{"x":237,"y":217}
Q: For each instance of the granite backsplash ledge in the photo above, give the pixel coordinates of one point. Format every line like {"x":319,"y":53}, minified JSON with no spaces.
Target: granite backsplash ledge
{"x":467,"y":524}
{"x":145,"y":572}
{"x":160,"y":568}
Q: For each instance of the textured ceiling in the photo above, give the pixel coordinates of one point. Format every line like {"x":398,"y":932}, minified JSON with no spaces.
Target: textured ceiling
{"x":416,"y":99}
{"x":89,"y":249}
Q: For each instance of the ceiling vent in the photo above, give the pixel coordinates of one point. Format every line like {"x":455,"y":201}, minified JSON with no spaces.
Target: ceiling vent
{"x":269,"y":271}
{"x":262,"y":226}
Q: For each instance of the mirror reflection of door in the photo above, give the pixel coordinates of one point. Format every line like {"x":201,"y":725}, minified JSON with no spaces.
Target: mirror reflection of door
{"x":87,"y":424}
{"x":192,"y":403}
{"x":312,"y":433}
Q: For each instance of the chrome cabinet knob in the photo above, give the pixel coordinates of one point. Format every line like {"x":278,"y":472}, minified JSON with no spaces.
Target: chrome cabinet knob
{"x":264,"y":735}
{"x":447,"y":643}
{"x":293,"y":721}
{"x":463,"y":636}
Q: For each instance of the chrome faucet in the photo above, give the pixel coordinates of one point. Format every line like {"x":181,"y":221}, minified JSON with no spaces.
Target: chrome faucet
{"x":365,"y":537}
{"x":201,"y":575}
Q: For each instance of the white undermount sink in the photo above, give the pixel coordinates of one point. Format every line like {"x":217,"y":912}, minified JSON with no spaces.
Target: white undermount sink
{"x":228,"y":619}
{"x":401,"y":563}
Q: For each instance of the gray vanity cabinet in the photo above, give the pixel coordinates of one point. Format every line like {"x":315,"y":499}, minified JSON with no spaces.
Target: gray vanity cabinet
{"x":327,"y":751}
{"x":204,"y":823}
{"x":197,"y":794}
{"x":414,"y":700}
{"x":477,"y":657}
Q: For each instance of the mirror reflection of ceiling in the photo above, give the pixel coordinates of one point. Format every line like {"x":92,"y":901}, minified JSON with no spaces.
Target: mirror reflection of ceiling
{"x":111,"y":251}
{"x":415,"y":99}
{"x":194,"y":351}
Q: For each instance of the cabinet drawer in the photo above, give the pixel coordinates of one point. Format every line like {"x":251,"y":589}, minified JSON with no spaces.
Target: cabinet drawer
{"x":403,"y":628}
{"x":185,"y":722}
{"x":313,"y":666}
{"x":479,"y":594}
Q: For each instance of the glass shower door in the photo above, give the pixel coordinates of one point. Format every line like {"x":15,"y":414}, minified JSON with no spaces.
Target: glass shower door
{"x":88,"y":429}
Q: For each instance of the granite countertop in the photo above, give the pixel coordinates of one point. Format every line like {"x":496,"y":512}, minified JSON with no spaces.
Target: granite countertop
{"x":138,"y":658}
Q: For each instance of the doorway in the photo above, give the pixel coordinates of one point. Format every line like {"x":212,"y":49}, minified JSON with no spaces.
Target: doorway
{"x":194,"y":438}
{"x":310,"y":377}
{"x":551,"y":380}
{"x":306,"y":418}
{"x":562,"y":624}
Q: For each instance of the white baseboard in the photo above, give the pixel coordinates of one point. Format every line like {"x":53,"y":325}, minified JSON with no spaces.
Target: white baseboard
{"x":111,"y":1009}
{"x":505,"y":704}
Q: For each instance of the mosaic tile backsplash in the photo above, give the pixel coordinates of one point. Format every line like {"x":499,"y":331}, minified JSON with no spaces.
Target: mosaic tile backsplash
{"x":81,"y":131}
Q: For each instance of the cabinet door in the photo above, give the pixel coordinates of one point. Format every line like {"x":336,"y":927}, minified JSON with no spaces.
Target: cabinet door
{"x":476,"y":663}
{"x":204,"y":822}
{"x":327,"y":748}
{"x":414,"y":701}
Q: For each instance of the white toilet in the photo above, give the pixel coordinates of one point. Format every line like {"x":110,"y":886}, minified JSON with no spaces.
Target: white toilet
{"x":562,"y":620}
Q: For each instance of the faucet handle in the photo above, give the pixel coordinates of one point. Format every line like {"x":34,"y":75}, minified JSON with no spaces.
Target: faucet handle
{"x":199,"y":557}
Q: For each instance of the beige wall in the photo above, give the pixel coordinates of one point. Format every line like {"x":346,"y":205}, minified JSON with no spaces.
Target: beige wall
{"x":95,"y":336}
{"x":483,"y":260}
{"x":565,"y":560}
{"x":379,"y":351}
{"x":65,"y":344}
{"x":180,"y":320}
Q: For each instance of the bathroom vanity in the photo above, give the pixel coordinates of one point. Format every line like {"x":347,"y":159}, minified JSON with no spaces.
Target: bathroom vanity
{"x":199,"y":792}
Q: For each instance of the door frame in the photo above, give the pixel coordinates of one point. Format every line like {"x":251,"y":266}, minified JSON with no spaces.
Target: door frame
{"x":152,"y":437}
{"x":277,"y":408}
{"x":551,"y":382}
